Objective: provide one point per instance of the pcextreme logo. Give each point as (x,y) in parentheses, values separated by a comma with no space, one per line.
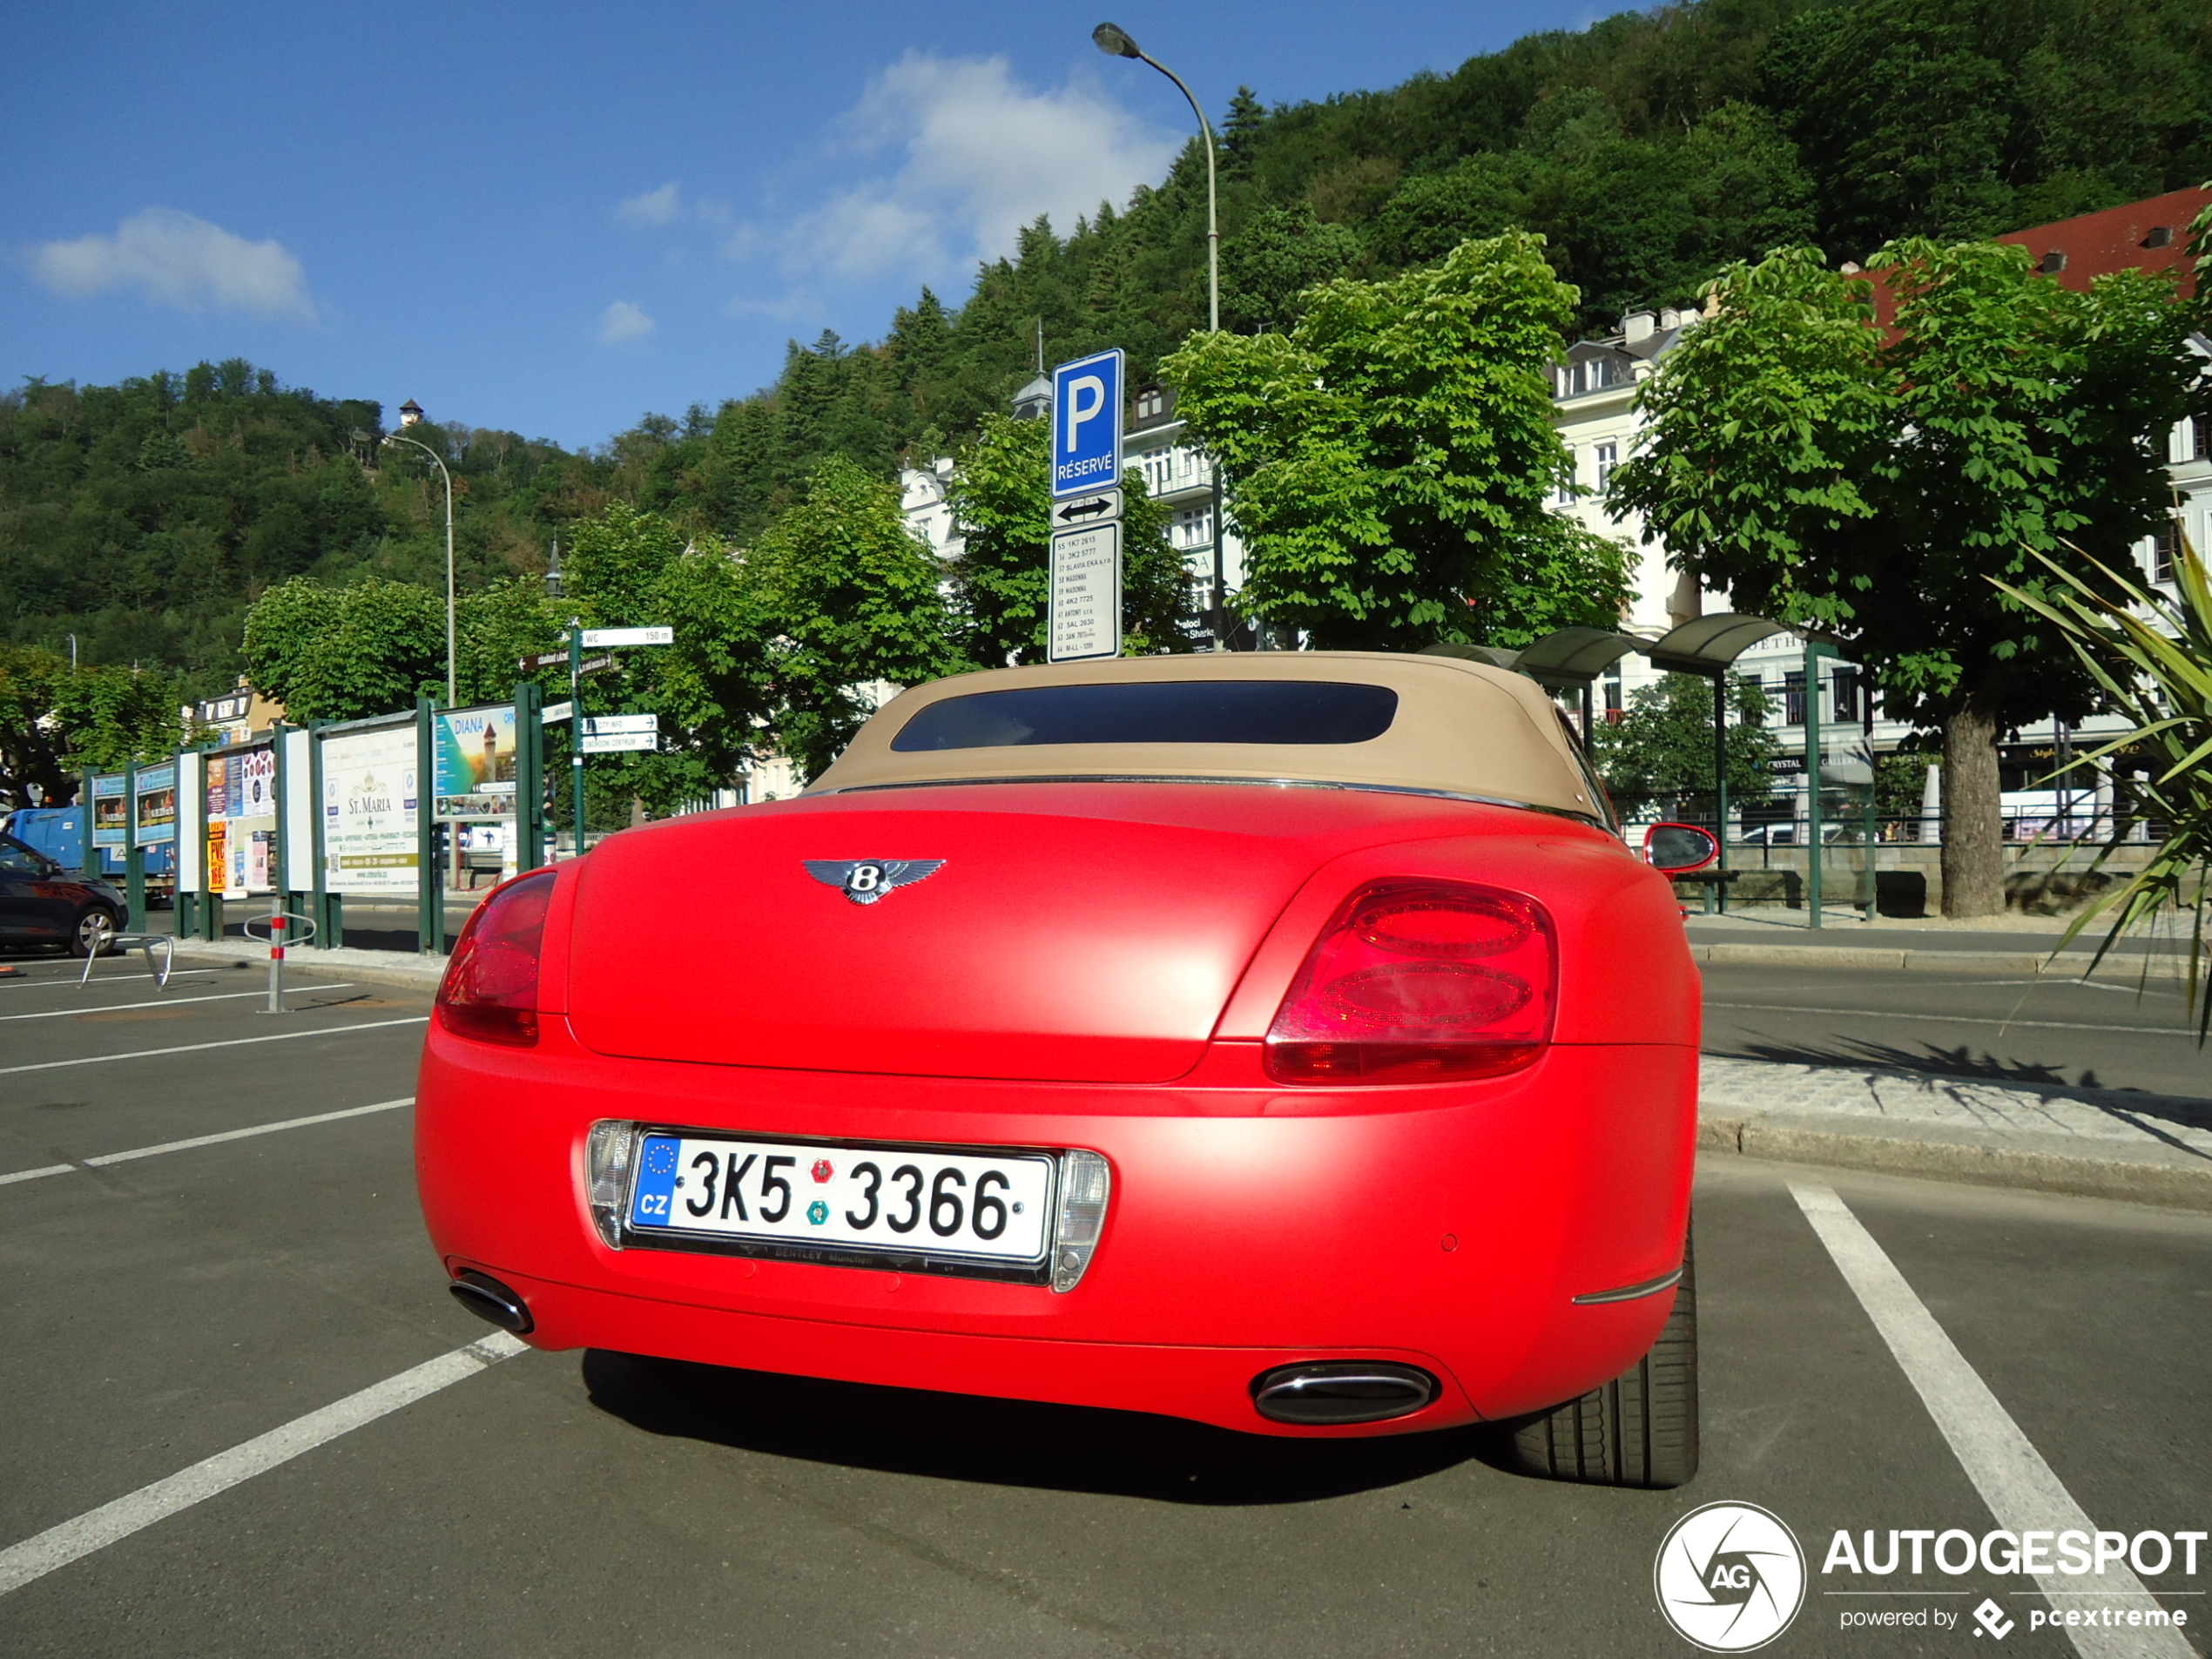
(1729,1577)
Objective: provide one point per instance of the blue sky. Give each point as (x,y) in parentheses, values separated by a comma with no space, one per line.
(553,218)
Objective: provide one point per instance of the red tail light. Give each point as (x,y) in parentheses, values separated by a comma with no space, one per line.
(1419,981)
(491,988)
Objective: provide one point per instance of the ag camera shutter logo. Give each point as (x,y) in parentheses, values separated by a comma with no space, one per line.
(1729,1577)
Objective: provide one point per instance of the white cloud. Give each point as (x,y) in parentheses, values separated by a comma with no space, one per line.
(622,320)
(179,260)
(655,208)
(979,158)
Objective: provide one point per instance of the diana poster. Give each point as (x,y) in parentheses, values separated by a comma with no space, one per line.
(369,808)
(474,770)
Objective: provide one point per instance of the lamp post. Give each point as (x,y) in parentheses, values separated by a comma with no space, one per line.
(1116,41)
(453,694)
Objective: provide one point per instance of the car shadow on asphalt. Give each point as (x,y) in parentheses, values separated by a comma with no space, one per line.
(1016,1443)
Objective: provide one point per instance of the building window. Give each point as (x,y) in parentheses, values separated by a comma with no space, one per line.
(1191,527)
(1608,456)
(2053,262)
(1151,404)
(1567,490)
(1843,695)
(2165,549)
(1793,697)
(2197,440)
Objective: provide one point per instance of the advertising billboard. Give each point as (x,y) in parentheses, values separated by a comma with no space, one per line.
(474,770)
(156,804)
(108,806)
(241,822)
(370,807)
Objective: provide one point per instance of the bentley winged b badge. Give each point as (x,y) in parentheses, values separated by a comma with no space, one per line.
(865,881)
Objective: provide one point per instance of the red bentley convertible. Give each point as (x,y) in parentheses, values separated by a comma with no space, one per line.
(1287,1042)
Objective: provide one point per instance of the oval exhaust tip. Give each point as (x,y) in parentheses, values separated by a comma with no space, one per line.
(487,1298)
(1333,1392)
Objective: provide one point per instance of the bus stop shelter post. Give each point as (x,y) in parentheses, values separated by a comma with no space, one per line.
(1720,784)
(1815,649)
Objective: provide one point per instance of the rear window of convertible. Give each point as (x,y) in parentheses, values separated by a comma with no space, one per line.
(1155,711)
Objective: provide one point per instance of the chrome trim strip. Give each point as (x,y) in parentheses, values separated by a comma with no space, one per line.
(1631,1292)
(1591,819)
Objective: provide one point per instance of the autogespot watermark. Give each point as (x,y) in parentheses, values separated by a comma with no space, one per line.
(1731,1577)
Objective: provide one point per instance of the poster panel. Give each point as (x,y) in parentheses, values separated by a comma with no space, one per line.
(369,805)
(241,804)
(108,806)
(157,805)
(474,775)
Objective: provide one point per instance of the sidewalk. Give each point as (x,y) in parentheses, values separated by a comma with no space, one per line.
(2099,1143)
(2011,944)
(371,966)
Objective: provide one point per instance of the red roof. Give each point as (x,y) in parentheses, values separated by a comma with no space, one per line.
(2145,235)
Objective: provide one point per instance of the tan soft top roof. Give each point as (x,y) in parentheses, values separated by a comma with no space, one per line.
(1461,728)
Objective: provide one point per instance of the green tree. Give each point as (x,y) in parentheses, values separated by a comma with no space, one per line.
(1275,259)
(1833,476)
(1392,457)
(854,599)
(345,653)
(110,717)
(1664,743)
(1001,583)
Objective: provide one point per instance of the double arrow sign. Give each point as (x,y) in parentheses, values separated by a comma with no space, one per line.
(1099,507)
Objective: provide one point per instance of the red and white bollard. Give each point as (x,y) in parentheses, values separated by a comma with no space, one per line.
(276,962)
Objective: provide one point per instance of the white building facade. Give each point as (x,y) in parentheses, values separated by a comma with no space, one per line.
(1594,397)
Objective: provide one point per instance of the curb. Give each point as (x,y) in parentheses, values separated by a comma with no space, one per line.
(1893,960)
(2031,1163)
(368,966)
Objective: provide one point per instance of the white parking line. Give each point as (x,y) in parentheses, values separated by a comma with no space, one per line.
(1962,1019)
(21,1564)
(72,980)
(171,1001)
(106,1158)
(2019,1486)
(195,1047)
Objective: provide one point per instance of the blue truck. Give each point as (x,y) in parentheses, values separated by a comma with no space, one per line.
(58,832)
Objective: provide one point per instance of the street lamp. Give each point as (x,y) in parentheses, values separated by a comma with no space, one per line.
(1116,41)
(453,686)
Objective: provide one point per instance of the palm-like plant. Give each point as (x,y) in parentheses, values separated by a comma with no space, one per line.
(2153,656)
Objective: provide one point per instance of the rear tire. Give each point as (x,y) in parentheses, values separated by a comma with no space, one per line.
(1640,1429)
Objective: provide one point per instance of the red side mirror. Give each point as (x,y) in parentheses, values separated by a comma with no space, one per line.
(1676,849)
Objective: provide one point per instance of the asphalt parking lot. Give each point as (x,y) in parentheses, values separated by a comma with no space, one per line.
(204,1309)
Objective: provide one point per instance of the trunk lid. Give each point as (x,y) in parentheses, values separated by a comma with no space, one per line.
(1076,933)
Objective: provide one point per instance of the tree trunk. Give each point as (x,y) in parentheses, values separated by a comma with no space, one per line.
(1973,828)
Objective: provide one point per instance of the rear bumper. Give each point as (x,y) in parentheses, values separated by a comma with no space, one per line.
(1445,1226)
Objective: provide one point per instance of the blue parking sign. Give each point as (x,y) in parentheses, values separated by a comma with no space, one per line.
(1086,425)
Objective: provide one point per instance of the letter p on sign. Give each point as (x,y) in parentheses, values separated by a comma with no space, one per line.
(1086,396)
(1086,425)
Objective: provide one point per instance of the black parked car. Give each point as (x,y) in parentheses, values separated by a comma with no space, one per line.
(41,904)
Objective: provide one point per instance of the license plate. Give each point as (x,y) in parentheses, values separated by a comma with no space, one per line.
(841,1199)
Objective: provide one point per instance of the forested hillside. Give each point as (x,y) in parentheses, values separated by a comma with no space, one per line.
(1649,150)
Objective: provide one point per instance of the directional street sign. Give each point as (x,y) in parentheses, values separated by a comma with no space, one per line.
(600,725)
(1097,508)
(555,712)
(560,659)
(628,636)
(1086,425)
(1086,614)
(613,742)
